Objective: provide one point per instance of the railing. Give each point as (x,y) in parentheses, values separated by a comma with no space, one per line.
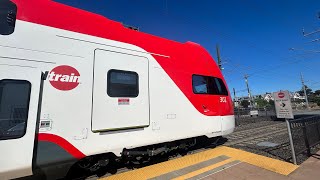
(242,113)
(304,133)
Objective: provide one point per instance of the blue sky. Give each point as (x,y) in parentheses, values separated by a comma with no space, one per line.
(254,36)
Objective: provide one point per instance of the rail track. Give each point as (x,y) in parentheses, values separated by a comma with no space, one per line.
(256,134)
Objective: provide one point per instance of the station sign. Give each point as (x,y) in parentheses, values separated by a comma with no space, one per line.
(282,104)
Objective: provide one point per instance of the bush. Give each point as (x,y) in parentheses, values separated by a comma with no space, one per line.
(245,103)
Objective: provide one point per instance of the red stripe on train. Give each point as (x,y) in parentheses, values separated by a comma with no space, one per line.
(64,144)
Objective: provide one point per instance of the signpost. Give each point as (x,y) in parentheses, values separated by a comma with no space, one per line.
(282,103)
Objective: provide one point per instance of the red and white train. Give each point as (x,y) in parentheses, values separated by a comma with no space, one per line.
(78,90)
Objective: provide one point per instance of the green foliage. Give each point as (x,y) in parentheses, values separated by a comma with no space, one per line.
(317,92)
(315,100)
(270,103)
(299,101)
(261,103)
(245,103)
(308,91)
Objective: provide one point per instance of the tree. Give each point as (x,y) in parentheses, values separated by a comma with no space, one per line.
(271,103)
(317,92)
(318,102)
(299,101)
(245,103)
(261,103)
(315,100)
(308,91)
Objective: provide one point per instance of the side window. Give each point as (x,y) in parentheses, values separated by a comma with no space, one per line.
(14,107)
(8,13)
(122,83)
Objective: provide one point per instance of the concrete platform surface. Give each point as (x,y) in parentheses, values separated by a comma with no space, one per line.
(218,163)
(245,171)
(309,170)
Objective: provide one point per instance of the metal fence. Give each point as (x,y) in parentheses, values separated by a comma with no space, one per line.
(249,113)
(304,133)
(246,116)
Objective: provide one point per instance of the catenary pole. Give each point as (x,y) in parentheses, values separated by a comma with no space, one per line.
(304,89)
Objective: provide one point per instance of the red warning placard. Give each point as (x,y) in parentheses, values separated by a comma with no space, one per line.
(123,101)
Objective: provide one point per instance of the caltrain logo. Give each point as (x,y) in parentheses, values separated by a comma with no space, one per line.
(63,77)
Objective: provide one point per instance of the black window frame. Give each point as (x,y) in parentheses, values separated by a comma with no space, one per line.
(215,90)
(27,109)
(122,71)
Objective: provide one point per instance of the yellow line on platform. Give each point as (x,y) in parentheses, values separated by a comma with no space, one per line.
(148,172)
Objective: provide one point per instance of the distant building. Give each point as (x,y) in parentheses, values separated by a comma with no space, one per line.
(237,101)
(297,96)
(243,98)
(267,97)
(294,96)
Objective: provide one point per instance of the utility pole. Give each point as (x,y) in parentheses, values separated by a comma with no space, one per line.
(249,92)
(234,97)
(238,103)
(304,89)
(218,56)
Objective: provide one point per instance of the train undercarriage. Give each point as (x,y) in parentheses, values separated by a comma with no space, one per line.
(101,164)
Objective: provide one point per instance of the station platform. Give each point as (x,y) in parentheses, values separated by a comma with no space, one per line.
(224,163)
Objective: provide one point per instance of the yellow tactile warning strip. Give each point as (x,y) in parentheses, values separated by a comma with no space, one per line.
(163,168)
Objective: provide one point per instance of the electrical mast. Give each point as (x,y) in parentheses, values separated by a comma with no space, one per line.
(305,91)
(249,92)
(218,56)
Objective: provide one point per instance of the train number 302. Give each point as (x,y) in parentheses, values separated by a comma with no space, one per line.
(223,99)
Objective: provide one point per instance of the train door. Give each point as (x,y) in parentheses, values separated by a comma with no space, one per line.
(19,99)
(120,91)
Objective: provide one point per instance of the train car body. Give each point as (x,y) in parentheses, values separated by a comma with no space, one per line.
(75,84)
